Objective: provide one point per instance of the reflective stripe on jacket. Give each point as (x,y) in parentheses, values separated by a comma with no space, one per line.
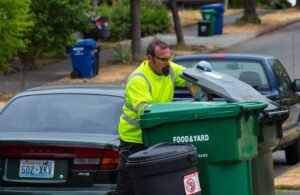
(144,88)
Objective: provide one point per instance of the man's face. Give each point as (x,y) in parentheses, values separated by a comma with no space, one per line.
(160,62)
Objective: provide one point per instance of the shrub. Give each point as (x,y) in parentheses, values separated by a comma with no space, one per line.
(154,21)
(154,18)
(280,4)
(14,23)
(55,23)
(237,4)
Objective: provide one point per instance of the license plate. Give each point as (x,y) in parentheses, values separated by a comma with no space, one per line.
(36,168)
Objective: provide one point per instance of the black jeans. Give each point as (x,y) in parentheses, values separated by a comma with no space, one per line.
(124,184)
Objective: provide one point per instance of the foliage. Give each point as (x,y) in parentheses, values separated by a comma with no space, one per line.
(14,22)
(120,22)
(237,4)
(154,18)
(55,23)
(104,10)
(121,53)
(280,4)
(259,3)
(152,3)
(275,4)
(154,21)
(263,4)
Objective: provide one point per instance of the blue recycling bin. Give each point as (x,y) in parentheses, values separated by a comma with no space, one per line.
(219,8)
(83,59)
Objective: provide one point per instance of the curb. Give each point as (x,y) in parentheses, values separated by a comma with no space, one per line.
(275,28)
(266,31)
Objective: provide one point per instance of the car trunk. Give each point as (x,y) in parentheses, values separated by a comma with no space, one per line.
(58,160)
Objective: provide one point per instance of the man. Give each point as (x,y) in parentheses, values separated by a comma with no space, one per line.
(153,81)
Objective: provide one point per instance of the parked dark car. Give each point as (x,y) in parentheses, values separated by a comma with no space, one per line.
(267,75)
(60,140)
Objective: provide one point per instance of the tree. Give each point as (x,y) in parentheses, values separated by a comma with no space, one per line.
(136,44)
(55,23)
(298,3)
(94,5)
(176,21)
(250,15)
(14,22)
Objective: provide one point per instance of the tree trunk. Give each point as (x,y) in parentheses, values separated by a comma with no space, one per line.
(176,21)
(250,15)
(136,44)
(297,4)
(27,61)
(95,5)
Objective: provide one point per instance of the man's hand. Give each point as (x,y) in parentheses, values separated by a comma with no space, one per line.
(197,93)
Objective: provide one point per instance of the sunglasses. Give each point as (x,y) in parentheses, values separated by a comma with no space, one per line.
(168,59)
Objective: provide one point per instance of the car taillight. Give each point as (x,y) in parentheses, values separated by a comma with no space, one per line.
(110,159)
(107,160)
(84,157)
(217,56)
(100,21)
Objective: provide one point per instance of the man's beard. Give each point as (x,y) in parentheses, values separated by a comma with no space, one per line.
(166,71)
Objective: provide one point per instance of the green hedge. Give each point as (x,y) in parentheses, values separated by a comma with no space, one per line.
(280,4)
(240,3)
(154,18)
(277,4)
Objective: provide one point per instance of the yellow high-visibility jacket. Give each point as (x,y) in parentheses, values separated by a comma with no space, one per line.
(144,88)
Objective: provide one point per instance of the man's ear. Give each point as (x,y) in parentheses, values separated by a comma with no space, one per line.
(151,59)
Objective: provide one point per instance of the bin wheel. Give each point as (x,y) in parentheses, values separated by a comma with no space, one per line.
(292,152)
(75,74)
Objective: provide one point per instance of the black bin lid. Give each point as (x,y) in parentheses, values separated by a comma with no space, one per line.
(161,158)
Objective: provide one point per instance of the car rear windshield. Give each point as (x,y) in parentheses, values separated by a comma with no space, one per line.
(70,113)
(249,72)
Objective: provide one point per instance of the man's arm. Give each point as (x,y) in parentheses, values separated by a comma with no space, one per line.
(138,94)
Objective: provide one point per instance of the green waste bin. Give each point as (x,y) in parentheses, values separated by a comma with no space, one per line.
(225,135)
(209,15)
(270,120)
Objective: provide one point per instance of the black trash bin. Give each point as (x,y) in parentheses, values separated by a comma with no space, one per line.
(165,168)
(204,28)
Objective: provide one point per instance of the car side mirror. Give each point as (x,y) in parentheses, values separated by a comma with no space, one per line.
(296,85)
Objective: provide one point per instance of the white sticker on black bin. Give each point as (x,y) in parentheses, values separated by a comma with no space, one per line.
(192,183)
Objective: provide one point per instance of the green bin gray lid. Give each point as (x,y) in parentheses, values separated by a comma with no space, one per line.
(225,86)
(177,109)
(184,111)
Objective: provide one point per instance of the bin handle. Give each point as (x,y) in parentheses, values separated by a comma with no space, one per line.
(277,112)
(254,105)
(158,145)
(191,158)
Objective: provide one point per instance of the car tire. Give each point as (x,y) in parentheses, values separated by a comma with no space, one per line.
(292,152)
(75,74)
